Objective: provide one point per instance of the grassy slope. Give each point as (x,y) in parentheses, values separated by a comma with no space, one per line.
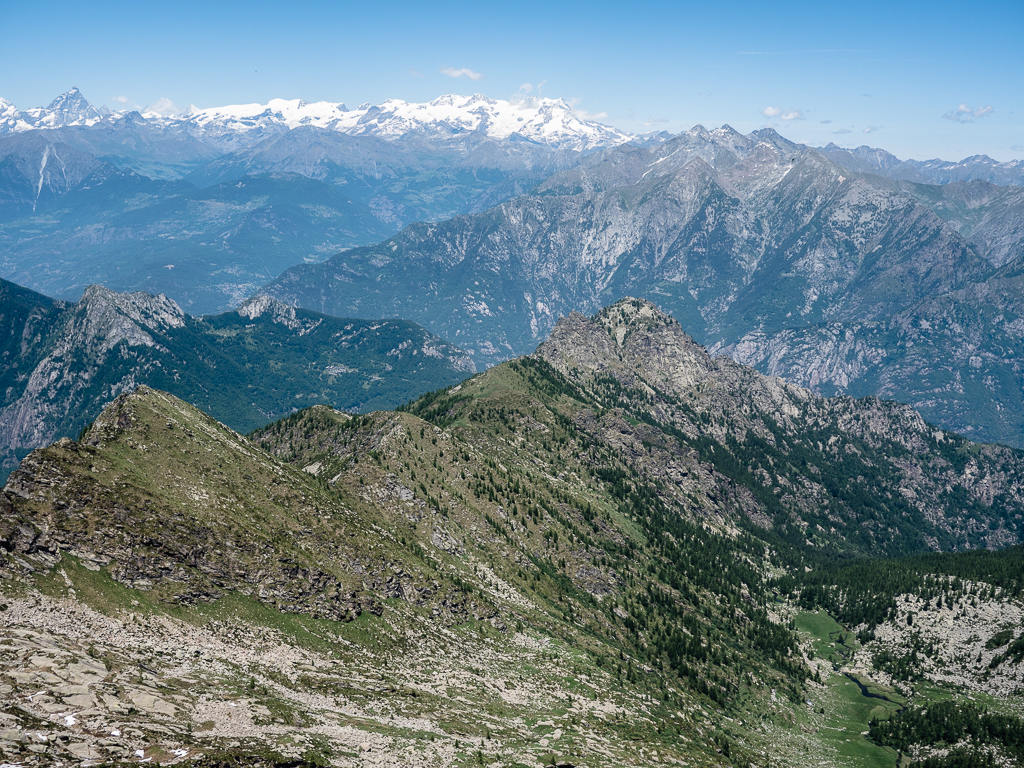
(211,490)
(491,549)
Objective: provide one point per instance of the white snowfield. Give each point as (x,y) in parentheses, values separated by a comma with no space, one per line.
(552,122)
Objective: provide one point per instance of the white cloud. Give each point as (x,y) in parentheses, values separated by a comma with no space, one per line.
(783,114)
(522,96)
(464,72)
(526,96)
(825,122)
(842,130)
(528,88)
(872,128)
(651,121)
(581,113)
(120,99)
(163,106)
(966,114)
(415,72)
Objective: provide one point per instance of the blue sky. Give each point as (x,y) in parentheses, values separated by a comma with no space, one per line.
(921,80)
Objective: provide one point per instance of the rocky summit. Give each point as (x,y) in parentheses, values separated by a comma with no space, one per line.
(615,551)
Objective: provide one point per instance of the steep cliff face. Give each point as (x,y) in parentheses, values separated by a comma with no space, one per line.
(989,216)
(82,361)
(956,357)
(849,450)
(729,233)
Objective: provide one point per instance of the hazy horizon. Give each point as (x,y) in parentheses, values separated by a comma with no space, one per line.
(920,80)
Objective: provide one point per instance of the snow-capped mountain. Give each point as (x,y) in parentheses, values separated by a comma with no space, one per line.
(549,122)
(9,116)
(544,121)
(71,108)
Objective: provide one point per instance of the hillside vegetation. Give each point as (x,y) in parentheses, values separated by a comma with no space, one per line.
(607,553)
(61,363)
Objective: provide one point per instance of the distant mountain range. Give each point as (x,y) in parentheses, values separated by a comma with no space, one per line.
(549,122)
(750,241)
(60,363)
(843,270)
(233,197)
(981,167)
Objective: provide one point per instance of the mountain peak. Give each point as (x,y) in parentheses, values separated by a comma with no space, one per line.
(278,312)
(103,304)
(726,130)
(71,107)
(261,304)
(628,314)
(120,415)
(633,340)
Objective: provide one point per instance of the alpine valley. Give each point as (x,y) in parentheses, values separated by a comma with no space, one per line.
(847,271)
(207,206)
(616,551)
(725,470)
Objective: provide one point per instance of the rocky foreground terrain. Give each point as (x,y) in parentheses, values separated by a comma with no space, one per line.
(599,555)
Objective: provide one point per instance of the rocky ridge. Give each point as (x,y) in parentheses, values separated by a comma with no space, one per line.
(705,397)
(66,361)
(573,556)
